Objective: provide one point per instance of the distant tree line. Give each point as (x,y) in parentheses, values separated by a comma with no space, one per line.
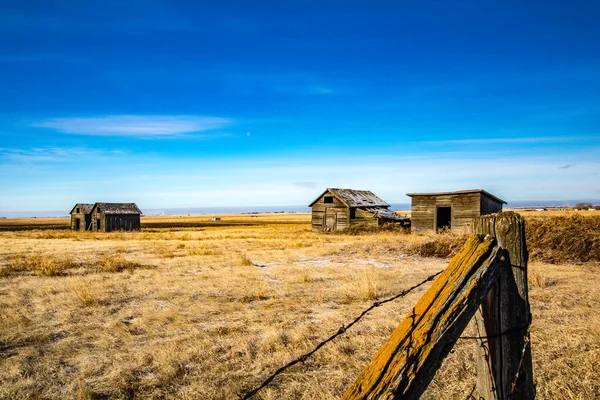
(586,206)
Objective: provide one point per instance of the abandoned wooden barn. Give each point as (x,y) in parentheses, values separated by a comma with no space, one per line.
(107,217)
(81,217)
(450,210)
(337,209)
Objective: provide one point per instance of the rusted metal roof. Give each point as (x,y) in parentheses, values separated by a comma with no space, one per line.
(85,207)
(459,192)
(118,208)
(354,198)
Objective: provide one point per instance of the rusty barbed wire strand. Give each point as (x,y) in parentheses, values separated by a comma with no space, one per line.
(339,332)
(470,395)
(526,341)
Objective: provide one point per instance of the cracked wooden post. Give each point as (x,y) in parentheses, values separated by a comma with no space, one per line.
(408,360)
(504,316)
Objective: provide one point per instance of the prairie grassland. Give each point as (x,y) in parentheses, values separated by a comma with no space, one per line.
(207,313)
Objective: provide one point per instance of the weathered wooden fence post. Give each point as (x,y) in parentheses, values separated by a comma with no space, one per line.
(504,316)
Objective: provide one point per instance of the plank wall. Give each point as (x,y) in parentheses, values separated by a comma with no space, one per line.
(465,207)
(337,207)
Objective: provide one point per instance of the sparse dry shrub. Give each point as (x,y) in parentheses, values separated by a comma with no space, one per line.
(165,251)
(245,260)
(536,277)
(306,275)
(83,392)
(203,250)
(40,264)
(116,263)
(363,286)
(363,229)
(85,295)
(257,290)
(368,281)
(443,245)
(572,238)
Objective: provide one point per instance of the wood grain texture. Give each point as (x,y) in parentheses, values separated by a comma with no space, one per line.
(465,207)
(504,315)
(406,363)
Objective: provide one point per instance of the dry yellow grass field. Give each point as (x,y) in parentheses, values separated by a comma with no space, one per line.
(207,312)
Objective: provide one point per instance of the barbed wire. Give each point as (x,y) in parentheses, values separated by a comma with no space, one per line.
(526,341)
(339,332)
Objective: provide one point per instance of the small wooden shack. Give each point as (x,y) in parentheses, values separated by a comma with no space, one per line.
(81,217)
(337,209)
(107,217)
(451,210)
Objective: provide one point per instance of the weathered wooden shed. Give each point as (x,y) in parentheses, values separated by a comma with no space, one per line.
(107,217)
(337,209)
(451,210)
(81,217)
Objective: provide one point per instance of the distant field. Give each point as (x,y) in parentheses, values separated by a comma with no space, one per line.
(191,221)
(207,311)
(183,221)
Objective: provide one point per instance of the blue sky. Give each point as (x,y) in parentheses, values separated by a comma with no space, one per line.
(233,103)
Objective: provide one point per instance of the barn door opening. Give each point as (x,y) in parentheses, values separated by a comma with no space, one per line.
(443,218)
(77,224)
(330,221)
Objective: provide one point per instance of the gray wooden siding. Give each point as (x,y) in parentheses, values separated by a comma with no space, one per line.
(320,208)
(490,206)
(342,214)
(422,216)
(119,222)
(84,221)
(465,207)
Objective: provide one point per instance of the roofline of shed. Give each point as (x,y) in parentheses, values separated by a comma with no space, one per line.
(75,206)
(458,192)
(98,203)
(333,193)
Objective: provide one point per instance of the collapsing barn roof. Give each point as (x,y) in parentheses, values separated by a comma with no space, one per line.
(118,208)
(354,198)
(386,214)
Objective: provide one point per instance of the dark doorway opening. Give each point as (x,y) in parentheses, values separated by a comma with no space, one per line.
(443,218)
(77,224)
(98,227)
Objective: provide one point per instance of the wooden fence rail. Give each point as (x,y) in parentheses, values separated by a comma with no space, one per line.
(494,258)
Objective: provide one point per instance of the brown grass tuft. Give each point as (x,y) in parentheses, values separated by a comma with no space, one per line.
(443,245)
(40,264)
(116,263)
(536,276)
(85,295)
(363,229)
(245,260)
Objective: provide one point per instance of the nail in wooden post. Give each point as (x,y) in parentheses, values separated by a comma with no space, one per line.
(504,315)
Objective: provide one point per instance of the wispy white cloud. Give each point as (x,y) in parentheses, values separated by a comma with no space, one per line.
(142,126)
(52,154)
(306,184)
(500,140)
